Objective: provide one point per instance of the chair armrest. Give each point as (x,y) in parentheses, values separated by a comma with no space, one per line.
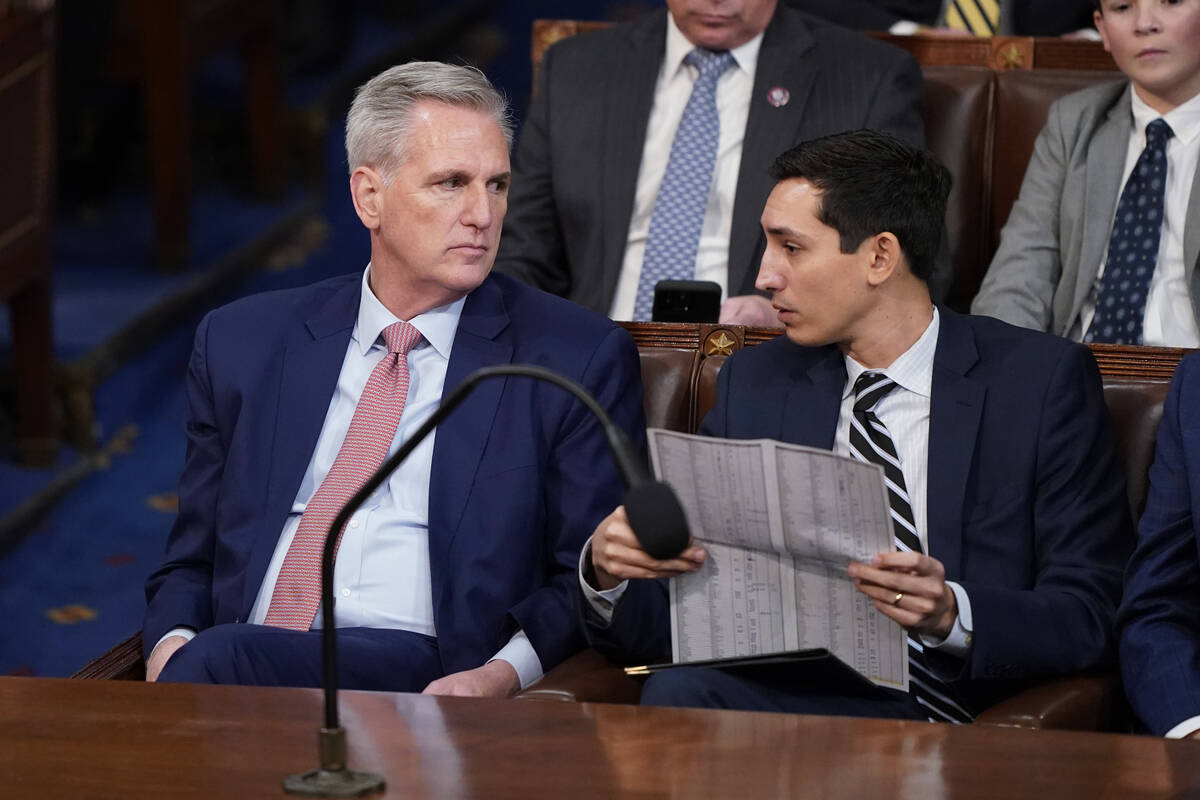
(1078,702)
(122,663)
(586,677)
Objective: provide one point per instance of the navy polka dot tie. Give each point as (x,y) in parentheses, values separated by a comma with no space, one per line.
(678,213)
(1133,246)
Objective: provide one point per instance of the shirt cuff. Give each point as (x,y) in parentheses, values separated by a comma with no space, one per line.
(904,27)
(187,633)
(958,641)
(521,656)
(601,602)
(1185,728)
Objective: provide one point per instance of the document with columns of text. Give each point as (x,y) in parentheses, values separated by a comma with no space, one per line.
(780,523)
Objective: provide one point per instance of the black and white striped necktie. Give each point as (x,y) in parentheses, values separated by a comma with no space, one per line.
(871,442)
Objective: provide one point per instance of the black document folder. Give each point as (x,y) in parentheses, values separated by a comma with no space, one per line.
(813,667)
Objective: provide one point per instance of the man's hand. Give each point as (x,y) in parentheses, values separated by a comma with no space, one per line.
(749,309)
(617,556)
(494,679)
(926,604)
(161,654)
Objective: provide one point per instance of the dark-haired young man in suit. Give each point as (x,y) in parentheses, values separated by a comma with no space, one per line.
(597,208)
(1007,498)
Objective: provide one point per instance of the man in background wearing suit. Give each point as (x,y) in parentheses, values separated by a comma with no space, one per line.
(1013,17)
(637,163)
(456,576)
(1103,242)
(1160,613)
(1007,500)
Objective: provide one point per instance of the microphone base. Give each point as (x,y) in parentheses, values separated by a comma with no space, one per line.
(334,783)
(332,779)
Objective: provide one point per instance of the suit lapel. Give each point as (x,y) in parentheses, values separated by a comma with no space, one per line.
(784,61)
(955,410)
(461,438)
(813,400)
(1191,243)
(629,96)
(311,365)
(1105,163)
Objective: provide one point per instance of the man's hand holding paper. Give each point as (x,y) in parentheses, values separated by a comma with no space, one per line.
(909,588)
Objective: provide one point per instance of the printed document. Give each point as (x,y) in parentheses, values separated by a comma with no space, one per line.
(780,523)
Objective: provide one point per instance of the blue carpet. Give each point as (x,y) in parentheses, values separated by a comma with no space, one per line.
(73,587)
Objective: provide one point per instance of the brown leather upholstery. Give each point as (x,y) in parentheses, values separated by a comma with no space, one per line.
(706,388)
(666,376)
(957,109)
(1023,100)
(1136,407)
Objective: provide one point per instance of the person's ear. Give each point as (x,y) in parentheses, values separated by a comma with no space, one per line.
(1098,21)
(884,257)
(366,190)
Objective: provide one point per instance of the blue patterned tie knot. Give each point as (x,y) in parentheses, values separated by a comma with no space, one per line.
(678,214)
(1133,245)
(710,63)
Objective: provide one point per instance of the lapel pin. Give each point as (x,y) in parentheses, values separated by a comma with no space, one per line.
(778,96)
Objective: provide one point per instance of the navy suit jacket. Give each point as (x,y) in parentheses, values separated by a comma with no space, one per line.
(520,475)
(1027,507)
(1160,615)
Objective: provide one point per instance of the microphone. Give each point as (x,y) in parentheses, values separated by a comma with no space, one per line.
(654,514)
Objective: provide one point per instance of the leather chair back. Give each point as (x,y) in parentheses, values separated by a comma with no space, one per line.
(956,106)
(1023,99)
(667,380)
(1136,407)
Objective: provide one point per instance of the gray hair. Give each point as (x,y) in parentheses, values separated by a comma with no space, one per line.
(380,118)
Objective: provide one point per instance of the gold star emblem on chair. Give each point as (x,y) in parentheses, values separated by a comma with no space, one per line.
(720,343)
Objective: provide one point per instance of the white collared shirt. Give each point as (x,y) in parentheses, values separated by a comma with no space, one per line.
(671,93)
(1170,320)
(382,578)
(905,413)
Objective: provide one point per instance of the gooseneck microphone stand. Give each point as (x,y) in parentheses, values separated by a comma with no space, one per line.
(654,514)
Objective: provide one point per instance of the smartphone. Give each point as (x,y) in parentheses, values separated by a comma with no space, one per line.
(686,301)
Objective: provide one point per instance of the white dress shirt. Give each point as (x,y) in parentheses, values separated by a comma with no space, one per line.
(905,412)
(1170,320)
(381,578)
(671,93)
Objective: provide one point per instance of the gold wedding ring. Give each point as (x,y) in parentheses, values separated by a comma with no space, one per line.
(899,597)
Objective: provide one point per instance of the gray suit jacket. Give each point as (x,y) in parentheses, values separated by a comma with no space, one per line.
(1057,234)
(576,166)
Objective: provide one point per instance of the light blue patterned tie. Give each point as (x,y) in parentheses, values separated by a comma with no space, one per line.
(1133,245)
(679,207)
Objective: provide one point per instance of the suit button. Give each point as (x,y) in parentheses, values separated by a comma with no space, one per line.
(345,592)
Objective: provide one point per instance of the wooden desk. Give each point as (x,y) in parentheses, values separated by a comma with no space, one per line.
(92,739)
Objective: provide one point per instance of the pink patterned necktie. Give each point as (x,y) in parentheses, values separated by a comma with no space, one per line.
(298,589)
